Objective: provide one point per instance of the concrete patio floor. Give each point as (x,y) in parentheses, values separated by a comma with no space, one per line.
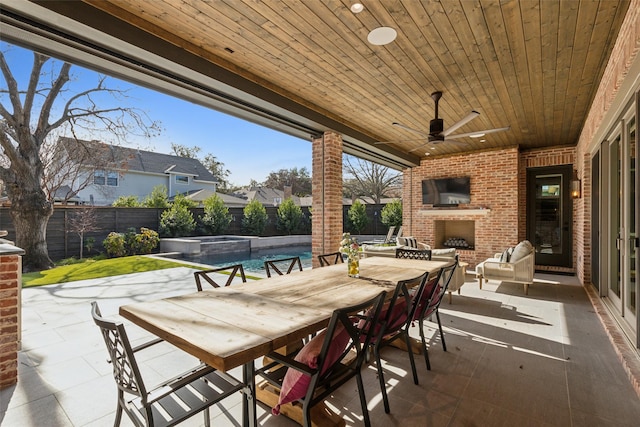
(513,360)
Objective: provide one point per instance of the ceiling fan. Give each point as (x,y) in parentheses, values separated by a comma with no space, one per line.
(437,134)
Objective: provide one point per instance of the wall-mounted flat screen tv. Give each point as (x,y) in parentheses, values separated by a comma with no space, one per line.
(446,191)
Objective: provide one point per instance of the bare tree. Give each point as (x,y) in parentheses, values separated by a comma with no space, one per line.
(364,178)
(30,118)
(83,221)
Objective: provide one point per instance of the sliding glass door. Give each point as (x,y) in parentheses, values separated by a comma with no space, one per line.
(620,213)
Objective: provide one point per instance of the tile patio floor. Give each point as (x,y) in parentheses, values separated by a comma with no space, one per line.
(512,360)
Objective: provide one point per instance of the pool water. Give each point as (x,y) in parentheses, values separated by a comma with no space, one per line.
(253,261)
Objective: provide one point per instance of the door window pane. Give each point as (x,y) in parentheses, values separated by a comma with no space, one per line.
(548,212)
(632,284)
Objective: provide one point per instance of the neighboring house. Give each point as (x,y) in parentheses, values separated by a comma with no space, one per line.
(199,196)
(114,171)
(266,196)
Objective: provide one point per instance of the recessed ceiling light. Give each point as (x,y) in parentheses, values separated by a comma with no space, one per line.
(357,7)
(476,135)
(483,140)
(382,35)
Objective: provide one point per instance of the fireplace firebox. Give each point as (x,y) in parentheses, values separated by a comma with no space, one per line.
(459,234)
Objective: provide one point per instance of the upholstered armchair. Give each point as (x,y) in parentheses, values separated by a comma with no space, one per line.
(513,265)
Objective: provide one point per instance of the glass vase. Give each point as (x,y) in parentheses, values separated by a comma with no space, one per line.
(353,265)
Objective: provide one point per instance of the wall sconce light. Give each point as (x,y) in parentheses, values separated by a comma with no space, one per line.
(576,186)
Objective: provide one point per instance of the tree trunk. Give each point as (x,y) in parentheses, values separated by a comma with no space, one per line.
(30,222)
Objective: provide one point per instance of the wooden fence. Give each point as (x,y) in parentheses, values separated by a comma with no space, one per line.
(63,243)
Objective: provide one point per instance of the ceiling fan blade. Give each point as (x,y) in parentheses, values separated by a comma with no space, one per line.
(472,115)
(395,141)
(410,128)
(479,132)
(418,148)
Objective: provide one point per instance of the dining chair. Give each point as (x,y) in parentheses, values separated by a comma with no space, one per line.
(231,270)
(288,263)
(429,306)
(395,323)
(424,254)
(327,362)
(172,401)
(331,258)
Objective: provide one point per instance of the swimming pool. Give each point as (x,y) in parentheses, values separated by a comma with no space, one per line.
(253,261)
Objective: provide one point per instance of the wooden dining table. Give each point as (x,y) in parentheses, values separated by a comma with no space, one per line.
(232,326)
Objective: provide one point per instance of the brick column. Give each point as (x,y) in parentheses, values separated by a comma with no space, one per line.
(327,194)
(10,278)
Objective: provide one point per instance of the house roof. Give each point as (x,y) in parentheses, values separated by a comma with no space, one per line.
(132,159)
(266,196)
(532,65)
(202,194)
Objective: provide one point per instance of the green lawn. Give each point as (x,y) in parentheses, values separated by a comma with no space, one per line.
(92,269)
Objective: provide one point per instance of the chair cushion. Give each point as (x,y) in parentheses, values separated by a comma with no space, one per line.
(397,317)
(506,255)
(378,248)
(409,241)
(426,294)
(443,253)
(295,383)
(523,249)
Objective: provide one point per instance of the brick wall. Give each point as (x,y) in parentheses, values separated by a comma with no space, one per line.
(494,200)
(623,55)
(327,194)
(9,319)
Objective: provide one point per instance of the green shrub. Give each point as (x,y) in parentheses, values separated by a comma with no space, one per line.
(357,216)
(89,243)
(216,218)
(126,202)
(145,242)
(254,220)
(289,216)
(130,240)
(181,200)
(114,244)
(131,243)
(391,214)
(177,221)
(158,198)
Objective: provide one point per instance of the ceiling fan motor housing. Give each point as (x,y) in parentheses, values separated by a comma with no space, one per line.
(436,127)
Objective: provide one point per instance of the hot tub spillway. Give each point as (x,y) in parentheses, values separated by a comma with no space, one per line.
(224,244)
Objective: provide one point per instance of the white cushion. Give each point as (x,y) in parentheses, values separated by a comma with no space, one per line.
(444,253)
(523,249)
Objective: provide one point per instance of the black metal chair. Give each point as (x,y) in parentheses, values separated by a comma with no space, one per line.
(282,263)
(349,332)
(395,322)
(429,306)
(424,254)
(169,403)
(329,259)
(232,270)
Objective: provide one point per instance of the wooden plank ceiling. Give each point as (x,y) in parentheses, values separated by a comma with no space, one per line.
(530,65)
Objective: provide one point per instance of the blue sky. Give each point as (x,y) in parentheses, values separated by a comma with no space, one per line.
(247,150)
